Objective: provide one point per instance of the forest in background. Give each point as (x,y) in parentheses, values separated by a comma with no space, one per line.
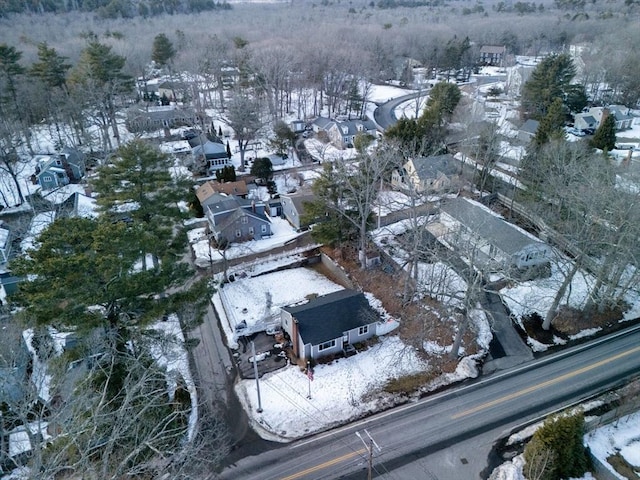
(374,40)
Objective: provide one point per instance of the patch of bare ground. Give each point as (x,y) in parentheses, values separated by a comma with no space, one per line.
(571,321)
(416,322)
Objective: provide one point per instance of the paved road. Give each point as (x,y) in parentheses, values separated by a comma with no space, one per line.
(384,115)
(412,433)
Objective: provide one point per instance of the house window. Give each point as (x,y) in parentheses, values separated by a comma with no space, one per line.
(363,330)
(250,230)
(263,229)
(47,178)
(244,220)
(238,233)
(326,345)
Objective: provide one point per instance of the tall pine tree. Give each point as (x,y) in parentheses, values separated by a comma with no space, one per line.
(605,136)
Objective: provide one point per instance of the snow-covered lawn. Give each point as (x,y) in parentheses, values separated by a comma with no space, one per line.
(345,389)
(256,301)
(620,437)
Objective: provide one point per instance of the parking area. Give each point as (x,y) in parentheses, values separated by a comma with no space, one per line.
(271,354)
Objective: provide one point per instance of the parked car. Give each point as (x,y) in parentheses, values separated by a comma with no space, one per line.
(574,131)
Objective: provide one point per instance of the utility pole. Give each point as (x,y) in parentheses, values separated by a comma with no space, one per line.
(255,372)
(369,443)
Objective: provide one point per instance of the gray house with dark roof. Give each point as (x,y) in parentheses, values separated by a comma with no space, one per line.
(495,244)
(212,154)
(293,208)
(326,325)
(235,219)
(60,169)
(492,55)
(159,117)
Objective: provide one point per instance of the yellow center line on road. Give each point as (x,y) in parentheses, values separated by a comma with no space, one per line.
(548,383)
(325,464)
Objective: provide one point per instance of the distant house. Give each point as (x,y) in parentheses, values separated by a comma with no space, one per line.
(158,117)
(235,219)
(293,208)
(428,174)
(496,244)
(583,121)
(343,133)
(528,130)
(172,91)
(5,245)
(213,154)
(492,55)
(211,187)
(326,325)
(60,169)
(594,116)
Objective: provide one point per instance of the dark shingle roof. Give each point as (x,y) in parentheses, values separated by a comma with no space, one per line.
(434,166)
(530,126)
(329,316)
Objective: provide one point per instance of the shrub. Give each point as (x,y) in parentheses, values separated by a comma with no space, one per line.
(556,449)
(409,383)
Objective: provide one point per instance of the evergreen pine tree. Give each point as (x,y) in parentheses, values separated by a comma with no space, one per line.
(559,441)
(162,52)
(605,136)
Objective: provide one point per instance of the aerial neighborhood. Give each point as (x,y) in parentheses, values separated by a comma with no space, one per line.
(214,235)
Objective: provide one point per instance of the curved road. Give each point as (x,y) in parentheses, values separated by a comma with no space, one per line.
(384,115)
(412,432)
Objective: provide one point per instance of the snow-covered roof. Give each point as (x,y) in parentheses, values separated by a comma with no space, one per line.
(38,224)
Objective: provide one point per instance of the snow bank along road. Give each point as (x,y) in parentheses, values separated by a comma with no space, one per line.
(410,432)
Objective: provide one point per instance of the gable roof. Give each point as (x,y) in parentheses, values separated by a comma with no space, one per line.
(207,189)
(434,166)
(238,214)
(587,117)
(210,149)
(323,123)
(351,127)
(498,232)
(298,199)
(530,126)
(329,316)
(219,202)
(493,49)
